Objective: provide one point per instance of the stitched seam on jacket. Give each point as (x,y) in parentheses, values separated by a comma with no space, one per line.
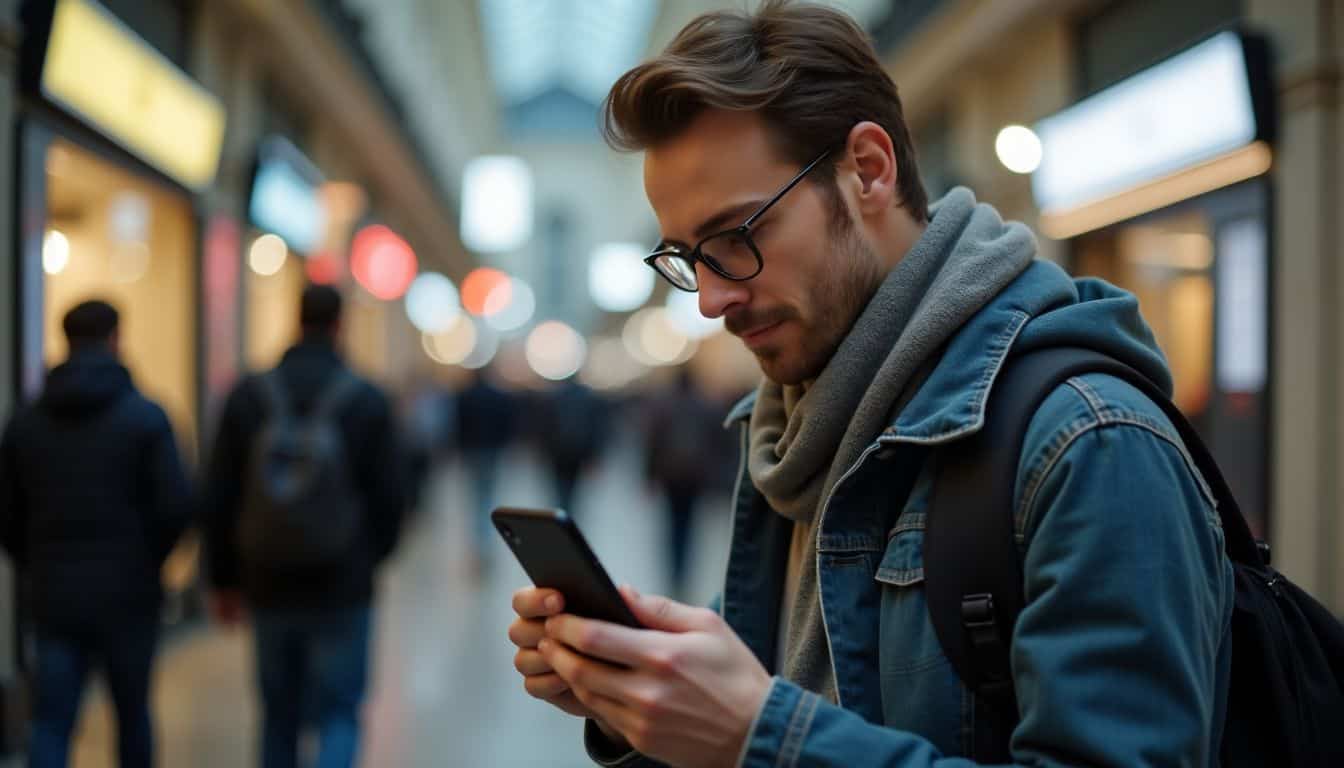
(799,722)
(1029,502)
(1089,394)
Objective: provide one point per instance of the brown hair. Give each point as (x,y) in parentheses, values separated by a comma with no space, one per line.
(810,71)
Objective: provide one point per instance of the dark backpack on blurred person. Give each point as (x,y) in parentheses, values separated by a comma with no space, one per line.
(1286,698)
(301,507)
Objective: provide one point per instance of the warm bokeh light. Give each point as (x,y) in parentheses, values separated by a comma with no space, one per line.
(555,351)
(382,262)
(510,306)
(477,288)
(432,303)
(652,339)
(487,346)
(325,267)
(453,344)
(55,252)
(618,279)
(609,365)
(267,255)
(1018,148)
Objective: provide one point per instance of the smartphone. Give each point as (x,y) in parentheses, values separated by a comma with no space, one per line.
(549,546)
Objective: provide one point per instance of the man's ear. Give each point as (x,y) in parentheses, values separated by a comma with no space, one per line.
(869,153)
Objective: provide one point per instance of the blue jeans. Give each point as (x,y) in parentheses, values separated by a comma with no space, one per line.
(313,666)
(125,654)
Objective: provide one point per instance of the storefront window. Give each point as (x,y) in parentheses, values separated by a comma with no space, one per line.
(120,237)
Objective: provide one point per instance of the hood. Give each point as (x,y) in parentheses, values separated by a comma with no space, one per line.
(1104,318)
(86,383)
(1043,308)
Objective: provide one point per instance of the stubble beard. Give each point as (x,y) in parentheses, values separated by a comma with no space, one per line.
(841,289)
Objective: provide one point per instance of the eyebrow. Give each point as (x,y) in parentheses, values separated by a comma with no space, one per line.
(715,223)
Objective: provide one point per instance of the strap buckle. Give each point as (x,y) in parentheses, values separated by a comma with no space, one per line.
(988,651)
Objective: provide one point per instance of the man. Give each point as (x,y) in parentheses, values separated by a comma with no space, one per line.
(93,497)
(784,182)
(308,589)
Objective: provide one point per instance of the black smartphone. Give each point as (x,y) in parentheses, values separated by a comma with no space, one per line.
(549,546)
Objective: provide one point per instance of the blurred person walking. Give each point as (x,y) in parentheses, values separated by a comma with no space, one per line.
(93,497)
(682,439)
(485,425)
(303,499)
(571,432)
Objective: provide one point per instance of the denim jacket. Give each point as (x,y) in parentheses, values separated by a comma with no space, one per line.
(1121,655)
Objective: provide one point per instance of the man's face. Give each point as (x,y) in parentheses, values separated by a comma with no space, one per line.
(818,272)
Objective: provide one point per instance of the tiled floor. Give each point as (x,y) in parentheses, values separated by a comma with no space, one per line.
(445,693)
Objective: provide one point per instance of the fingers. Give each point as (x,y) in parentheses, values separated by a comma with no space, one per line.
(545,687)
(602,640)
(533,603)
(666,614)
(530,663)
(526,633)
(593,675)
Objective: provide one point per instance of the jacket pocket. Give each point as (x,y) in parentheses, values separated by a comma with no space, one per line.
(920,691)
(909,643)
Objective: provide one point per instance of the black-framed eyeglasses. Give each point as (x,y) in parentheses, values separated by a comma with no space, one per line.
(731,253)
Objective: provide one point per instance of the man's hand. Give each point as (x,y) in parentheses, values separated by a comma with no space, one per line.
(534,607)
(684,691)
(227,607)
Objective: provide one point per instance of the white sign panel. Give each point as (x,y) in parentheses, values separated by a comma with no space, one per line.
(1242,323)
(1188,109)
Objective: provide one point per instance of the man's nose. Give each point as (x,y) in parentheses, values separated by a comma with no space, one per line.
(717,293)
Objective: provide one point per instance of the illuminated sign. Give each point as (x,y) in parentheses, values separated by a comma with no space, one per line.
(1197,106)
(285,198)
(100,70)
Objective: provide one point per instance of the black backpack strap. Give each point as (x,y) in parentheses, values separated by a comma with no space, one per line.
(972,568)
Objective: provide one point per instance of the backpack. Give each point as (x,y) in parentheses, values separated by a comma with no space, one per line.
(301,509)
(1286,699)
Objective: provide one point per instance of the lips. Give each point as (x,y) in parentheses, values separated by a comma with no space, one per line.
(758,335)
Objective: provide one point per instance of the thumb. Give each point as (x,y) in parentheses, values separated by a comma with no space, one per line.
(663,613)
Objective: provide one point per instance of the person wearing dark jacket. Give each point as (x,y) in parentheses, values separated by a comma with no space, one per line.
(93,496)
(485,428)
(312,624)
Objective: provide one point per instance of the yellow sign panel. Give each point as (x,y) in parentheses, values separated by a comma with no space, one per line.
(98,68)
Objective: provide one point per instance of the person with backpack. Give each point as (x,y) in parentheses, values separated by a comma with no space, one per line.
(303,499)
(786,187)
(93,497)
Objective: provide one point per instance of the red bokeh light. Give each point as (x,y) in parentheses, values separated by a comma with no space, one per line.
(382,262)
(477,288)
(324,268)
